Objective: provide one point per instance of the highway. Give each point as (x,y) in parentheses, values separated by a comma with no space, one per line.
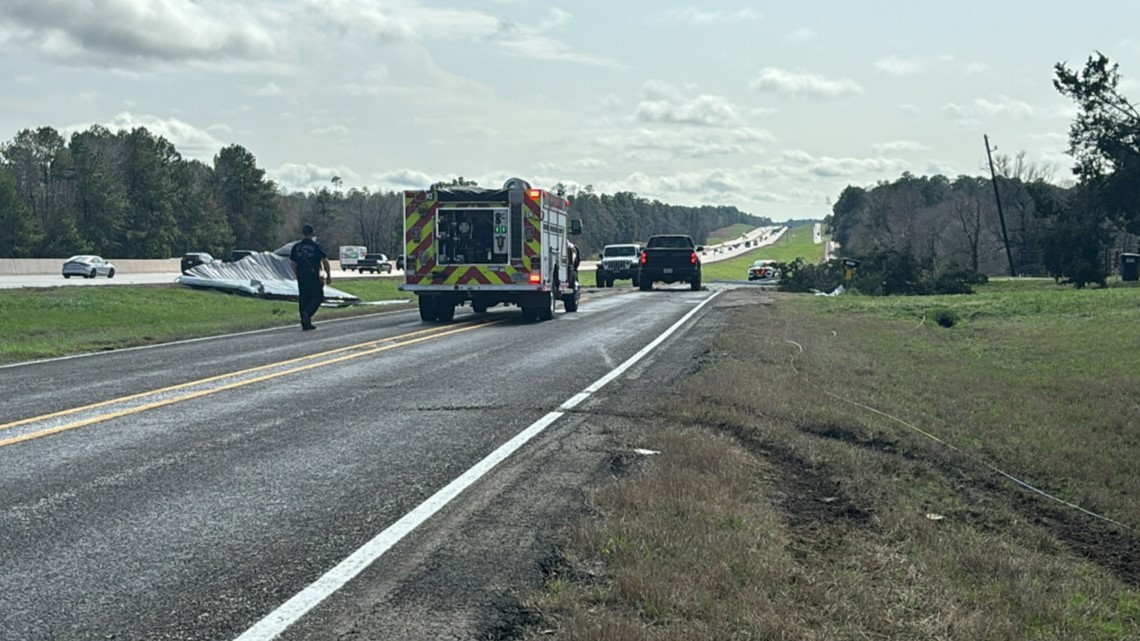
(382,478)
(713,253)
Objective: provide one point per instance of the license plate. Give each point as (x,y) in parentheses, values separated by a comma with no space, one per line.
(668,270)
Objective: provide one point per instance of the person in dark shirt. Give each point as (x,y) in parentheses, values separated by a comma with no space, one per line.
(307,258)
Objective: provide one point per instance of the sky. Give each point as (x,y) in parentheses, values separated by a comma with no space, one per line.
(773,107)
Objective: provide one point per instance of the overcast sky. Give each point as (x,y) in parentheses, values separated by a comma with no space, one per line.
(773,107)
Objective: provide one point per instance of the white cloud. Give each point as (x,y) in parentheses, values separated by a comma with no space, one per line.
(1004,107)
(976,68)
(827,167)
(667,104)
(898,146)
(404,179)
(897,66)
(722,186)
(294,177)
(408,22)
(803,83)
(803,34)
(268,89)
(798,156)
(331,129)
(1052,137)
(697,15)
(189,140)
(911,109)
(580,164)
(126,32)
(653,145)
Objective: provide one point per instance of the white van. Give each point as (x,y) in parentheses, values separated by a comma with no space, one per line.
(350,255)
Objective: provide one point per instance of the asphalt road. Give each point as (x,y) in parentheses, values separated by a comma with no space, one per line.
(201,490)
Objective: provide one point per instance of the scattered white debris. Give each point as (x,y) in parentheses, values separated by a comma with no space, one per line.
(934,517)
(837,291)
(645,452)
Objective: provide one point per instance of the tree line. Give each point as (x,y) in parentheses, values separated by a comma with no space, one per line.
(937,226)
(131,194)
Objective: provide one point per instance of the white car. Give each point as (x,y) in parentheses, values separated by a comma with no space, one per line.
(763,269)
(88,267)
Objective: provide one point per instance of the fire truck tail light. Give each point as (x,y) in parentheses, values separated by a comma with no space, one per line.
(534,194)
(535,279)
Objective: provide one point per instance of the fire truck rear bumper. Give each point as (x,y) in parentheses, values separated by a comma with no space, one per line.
(427,289)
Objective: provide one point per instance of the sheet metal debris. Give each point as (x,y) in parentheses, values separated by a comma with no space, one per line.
(264,275)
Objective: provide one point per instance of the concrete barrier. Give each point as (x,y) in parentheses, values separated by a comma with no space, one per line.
(40,266)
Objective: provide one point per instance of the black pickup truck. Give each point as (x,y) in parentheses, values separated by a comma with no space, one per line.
(375,263)
(672,258)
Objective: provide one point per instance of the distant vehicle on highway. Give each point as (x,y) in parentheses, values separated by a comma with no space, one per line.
(193,259)
(618,262)
(88,267)
(239,254)
(669,258)
(374,263)
(350,256)
(763,269)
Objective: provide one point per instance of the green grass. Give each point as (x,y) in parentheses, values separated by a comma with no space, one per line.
(782,506)
(47,322)
(795,242)
(725,234)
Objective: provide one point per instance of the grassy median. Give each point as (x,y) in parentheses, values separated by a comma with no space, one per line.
(794,243)
(835,470)
(56,321)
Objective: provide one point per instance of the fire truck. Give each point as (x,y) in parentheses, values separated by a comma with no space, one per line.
(487,247)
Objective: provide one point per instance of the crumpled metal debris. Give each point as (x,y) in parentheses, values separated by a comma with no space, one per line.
(264,275)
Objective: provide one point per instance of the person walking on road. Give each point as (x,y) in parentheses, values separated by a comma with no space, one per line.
(307,258)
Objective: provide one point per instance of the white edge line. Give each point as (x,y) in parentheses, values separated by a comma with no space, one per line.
(301,603)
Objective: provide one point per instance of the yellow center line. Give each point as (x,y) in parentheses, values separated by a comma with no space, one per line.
(211,379)
(193,395)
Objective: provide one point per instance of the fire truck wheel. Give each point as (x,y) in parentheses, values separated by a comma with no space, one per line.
(478,307)
(530,313)
(570,302)
(546,312)
(427,309)
(445,312)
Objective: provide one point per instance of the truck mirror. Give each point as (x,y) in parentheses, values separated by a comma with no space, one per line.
(575,226)
(700,248)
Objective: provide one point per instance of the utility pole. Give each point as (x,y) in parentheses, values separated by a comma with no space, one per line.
(1001,214)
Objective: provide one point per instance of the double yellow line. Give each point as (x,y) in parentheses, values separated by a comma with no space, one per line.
(322,359)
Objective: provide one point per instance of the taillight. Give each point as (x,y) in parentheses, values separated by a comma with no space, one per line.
(535,279)
(642,259)
(693,258)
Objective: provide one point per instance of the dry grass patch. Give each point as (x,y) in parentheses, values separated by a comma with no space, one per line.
(782,507)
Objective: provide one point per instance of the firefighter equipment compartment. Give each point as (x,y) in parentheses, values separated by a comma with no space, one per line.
(488,247)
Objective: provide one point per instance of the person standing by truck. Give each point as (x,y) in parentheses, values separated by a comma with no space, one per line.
(307,258)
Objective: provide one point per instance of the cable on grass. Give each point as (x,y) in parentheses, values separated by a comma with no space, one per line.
(955,448)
